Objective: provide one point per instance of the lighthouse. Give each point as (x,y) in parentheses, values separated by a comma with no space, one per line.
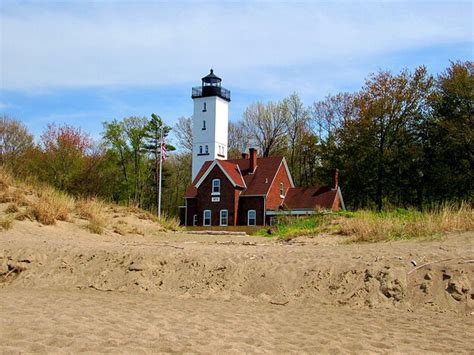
(210,121)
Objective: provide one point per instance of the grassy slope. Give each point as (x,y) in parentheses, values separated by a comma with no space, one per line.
(369,226)
(20,200)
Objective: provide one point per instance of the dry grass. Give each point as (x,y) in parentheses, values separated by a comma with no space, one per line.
(94,211)
(367,226)
(51,206)
(169,223)
(29,199)
(12,208)
(6,222)
(5,180)
(370,226)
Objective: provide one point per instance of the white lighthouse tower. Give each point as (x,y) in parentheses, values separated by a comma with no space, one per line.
(210,121)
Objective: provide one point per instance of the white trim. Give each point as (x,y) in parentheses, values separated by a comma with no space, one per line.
(227,217)
(204,218)
(248,218)
(241,176)
(283,162)
(343,206)
(204,176)
(288,171)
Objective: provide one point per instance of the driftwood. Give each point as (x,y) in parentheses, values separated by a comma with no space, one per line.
(279,303)
(426,264)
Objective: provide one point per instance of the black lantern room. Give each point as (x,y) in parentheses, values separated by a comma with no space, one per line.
(211,86)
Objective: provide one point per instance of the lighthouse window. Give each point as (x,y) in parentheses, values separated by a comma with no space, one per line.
(204,125)
(200,149)
(207,149)
(204,109)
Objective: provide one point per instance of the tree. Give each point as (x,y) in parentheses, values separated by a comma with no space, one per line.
(239,140)
(296,125)
(114,137)
(155,133)
(184,133)
(389,108)
(135,131)
(330,114)
(450,138)
(15,141)
(266,126)
(64,149)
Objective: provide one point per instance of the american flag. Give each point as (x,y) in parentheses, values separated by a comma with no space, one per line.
(164,153)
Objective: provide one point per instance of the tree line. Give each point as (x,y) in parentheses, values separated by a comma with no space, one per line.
(403,140)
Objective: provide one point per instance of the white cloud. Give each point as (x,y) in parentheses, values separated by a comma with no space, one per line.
(253,45)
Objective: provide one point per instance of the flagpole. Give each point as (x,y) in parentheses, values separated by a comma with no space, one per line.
(161,165)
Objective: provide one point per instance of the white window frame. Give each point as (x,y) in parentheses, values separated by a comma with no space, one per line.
(282,189)
(226,218)
(218,192)
(204,218)
(195,220)
(248,217)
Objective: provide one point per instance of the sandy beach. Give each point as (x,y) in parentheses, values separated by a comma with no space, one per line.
(65,290)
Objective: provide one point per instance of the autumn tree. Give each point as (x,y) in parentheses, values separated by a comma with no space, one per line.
(64,149)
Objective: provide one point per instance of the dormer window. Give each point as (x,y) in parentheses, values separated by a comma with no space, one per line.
(282,190)
(204,125)
(216,186)
(204,108)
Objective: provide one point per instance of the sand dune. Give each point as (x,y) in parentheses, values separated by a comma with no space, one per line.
(63,289)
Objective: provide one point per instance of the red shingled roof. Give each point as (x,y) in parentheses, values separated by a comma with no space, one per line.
(233,171)
(309,198)
(257,183)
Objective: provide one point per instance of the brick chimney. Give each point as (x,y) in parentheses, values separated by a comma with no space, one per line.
(253,159)
(245,155)
(336,179)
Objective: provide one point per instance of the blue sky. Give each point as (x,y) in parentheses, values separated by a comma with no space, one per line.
(86,62)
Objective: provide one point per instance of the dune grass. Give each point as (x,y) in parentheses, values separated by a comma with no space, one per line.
(29,199)
(370,226)
(51,206)
(93,210)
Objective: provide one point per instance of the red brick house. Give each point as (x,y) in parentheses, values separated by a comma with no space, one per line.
(252,191)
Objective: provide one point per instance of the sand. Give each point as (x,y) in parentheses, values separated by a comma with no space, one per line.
(63,289)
